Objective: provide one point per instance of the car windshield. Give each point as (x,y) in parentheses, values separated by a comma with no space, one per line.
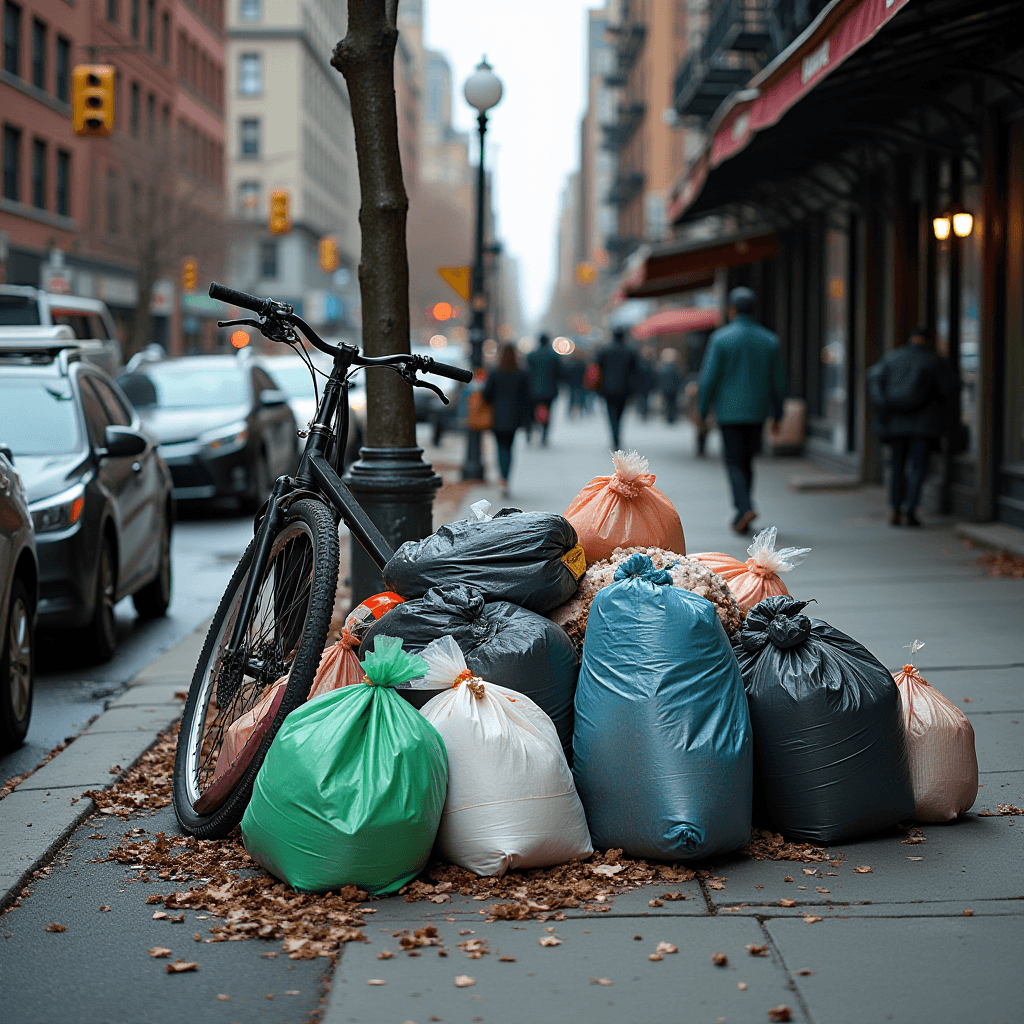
(18,311)
(37,417)
(194,386)
(293,378)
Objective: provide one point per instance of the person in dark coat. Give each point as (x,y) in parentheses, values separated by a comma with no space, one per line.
(646,381)
(670,380)
(910,388)
(617,363)
(544,368)
(742,378)
(508,392)
(573,373)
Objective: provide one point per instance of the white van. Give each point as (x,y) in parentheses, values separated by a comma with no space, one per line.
(89,319)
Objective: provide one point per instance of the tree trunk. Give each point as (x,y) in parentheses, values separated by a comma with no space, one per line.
(366,58)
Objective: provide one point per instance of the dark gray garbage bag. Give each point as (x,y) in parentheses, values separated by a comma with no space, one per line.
(830,754)
(523,557)
(503,644)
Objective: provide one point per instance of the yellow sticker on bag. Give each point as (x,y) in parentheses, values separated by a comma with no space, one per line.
(575,561)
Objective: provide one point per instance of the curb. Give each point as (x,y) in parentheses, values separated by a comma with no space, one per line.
(38,816)
(995,536)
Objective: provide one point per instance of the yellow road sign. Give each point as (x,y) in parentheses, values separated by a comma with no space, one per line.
(459,278)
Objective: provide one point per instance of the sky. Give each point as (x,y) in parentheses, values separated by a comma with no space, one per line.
(538,49)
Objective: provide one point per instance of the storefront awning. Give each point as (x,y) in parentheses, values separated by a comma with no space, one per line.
(677,320)
(682,266)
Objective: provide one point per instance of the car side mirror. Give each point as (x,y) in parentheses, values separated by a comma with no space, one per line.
(272,396)
(122,443)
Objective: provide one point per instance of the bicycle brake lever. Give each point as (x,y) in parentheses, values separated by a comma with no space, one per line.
(433,387)
(236,323)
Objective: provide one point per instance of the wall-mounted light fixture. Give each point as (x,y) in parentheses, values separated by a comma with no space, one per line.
(963,223)
(940,225)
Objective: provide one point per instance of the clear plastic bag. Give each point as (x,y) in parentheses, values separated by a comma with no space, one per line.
(625,510)
(940,742)
(511,799)
(758,577)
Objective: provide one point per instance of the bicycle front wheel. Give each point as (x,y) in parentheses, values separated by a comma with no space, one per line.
(282,641)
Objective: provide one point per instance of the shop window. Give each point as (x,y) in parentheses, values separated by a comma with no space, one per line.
(12,38)
(249,136)
(63,183)
(12,163)
(39,174)
(63,82)
(250,74)
(268,258)
(112,11)
(248,201)
(38,53)
(134,19)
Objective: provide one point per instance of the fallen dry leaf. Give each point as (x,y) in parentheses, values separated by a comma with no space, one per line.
(818,888)
(159,915)
(864,869)
(719,959)
(717,883)
(655,956)
(968,913)
(809,871)
(601,981)
(549,940)
(655,903)
(742,986)
(464,981)
(1001,809)
(811,919)
(787,879)
(915,858)
(507,959)
(756,950)
(385,955)
(673,896)
(104,909)
(780,1013)
(159,952)
(54,927)
(223,998)
(181,966)
(608,870)
(375,981)
(667,947)
(787,903)
(804,972)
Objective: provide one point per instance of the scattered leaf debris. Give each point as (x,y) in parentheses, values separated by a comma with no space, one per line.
(159,952)
(756,950)
(864,869)
(655,903)
(54,927)
(1001,809)
(780,1013)
(223,998)
(719,959)
(667,947)
(811,919)
(104,909)
(742,986)
(1002,564)
(375,981)
(464,981)
(507,959)
(787,903)
(601,981)
(549,940)
(181,966)
(804,972)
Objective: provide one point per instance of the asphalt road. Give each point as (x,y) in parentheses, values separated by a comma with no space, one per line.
(205,547)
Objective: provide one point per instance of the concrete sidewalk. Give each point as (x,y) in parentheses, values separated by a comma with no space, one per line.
(894,944)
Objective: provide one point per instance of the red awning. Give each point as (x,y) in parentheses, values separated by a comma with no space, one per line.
(675,321)
(837,33)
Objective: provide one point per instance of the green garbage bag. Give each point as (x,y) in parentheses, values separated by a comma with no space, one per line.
(353,786)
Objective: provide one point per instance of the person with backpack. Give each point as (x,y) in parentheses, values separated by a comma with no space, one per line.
(909,388)
(618,368)
(545,369)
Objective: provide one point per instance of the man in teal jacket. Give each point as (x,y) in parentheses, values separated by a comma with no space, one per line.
(741,376)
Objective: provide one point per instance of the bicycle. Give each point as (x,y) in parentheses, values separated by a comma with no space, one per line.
(272,621)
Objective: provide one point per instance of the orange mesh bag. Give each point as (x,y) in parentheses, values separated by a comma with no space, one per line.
(758,577)
(339,664)
(940,741)
(625,510)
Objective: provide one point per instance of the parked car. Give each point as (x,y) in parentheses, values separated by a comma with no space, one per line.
(429,408)
(223,424)
(89,320)
(99,493)
(19,596)
(292,374)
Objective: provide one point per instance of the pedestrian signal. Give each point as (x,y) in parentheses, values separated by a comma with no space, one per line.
(92,105)
(328,254)
(189,275)
(280,212)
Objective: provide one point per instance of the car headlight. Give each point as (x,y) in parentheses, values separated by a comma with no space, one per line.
(60,512)
(222,440)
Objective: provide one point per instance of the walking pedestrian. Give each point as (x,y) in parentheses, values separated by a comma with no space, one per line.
(508,392)
(910,388)
(617,365)
(742,378)
(544,367)
(646,381)
(575,370)
(670,379)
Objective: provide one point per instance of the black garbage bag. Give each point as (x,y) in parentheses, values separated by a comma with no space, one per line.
(830,753)
(529,558)
(502,643)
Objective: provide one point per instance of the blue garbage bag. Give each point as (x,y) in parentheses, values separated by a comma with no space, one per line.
(662,741)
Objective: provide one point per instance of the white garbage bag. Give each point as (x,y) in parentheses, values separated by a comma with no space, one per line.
(511,798)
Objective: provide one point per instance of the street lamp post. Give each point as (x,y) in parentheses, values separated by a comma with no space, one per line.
(482,91)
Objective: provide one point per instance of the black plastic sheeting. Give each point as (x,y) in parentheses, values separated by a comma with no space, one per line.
(830,754)
(516,556)
(502,643)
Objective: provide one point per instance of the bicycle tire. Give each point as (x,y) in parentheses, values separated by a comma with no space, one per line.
(191,766)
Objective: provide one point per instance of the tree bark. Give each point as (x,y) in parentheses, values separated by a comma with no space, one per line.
(366,57)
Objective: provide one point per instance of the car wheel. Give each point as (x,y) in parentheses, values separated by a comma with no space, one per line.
(152,600)
(101,633)
(17,669)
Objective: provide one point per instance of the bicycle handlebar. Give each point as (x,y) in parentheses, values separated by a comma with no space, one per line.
(451,372)
(237,298)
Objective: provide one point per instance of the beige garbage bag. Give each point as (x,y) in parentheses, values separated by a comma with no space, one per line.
(940,740)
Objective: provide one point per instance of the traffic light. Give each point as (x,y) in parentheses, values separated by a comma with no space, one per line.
(280,212)
(189,274)
(93,100)
(328,254)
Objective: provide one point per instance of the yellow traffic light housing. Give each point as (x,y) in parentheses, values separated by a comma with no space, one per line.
(189,274)
(280,212)
(328,254)
(92,107)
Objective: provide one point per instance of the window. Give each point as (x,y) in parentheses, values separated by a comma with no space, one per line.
(166,118)
(268,258)
(135,19)
(151,25)
(12,38)
(250,10)
(63,83)
(250,74)
(133,112)
(135,206)
(96,419)
(63,183)
(39,174)
(112,203)
(12,163)
(165,39)
(249,134)
(182,56)
(248,198)
(113,405)
(38,53)
(151,116)
(112,11)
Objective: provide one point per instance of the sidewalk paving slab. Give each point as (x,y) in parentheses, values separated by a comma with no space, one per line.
(999,740)
(910,971)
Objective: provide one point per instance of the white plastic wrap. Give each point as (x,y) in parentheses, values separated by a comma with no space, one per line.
(629,465)
(762,552)
(480,509)
(511,798)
